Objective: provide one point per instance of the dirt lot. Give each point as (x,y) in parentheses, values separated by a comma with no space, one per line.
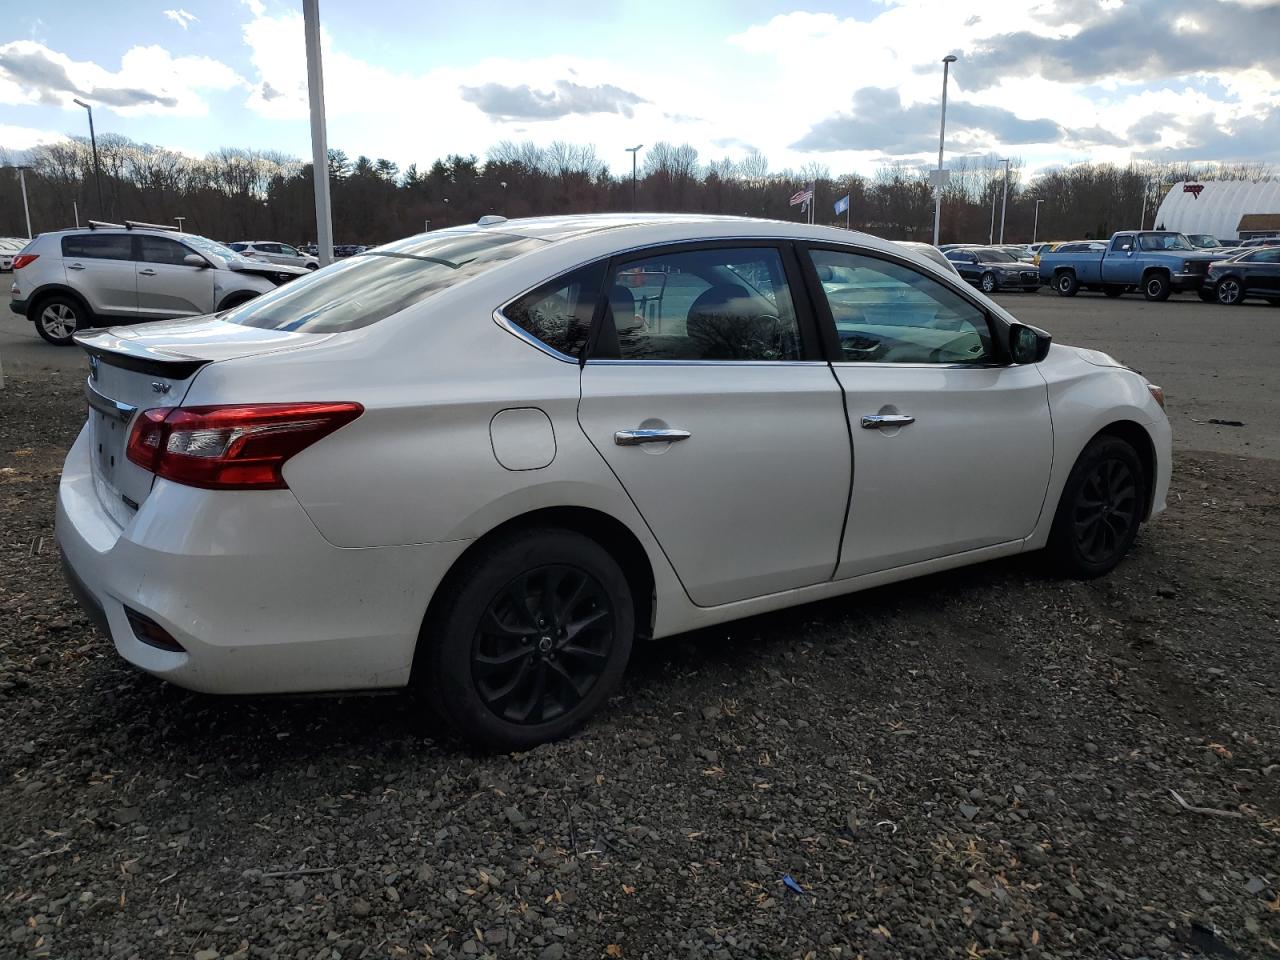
(977,764)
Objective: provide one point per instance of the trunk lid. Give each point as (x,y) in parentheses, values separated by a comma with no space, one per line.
(132,369)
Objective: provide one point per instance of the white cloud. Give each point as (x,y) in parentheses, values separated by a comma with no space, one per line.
(182,18)
(150,80)
(24,138)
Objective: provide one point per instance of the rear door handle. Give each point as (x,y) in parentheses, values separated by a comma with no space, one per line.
(633,438)
(147,272)
(75,266)
(879,420)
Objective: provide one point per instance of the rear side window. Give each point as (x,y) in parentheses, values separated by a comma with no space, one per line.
(369,287)
(558,314)
(100,246)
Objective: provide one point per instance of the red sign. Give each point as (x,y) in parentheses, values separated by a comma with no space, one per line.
(1193,189)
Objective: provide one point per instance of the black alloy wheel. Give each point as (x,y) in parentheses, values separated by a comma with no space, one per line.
(1102,506)
(542,644)
(988,282)
(1105,511)
(529,635)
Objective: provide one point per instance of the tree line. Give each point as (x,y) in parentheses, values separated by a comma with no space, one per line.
(233,194)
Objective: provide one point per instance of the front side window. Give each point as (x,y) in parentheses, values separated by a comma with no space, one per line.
(161,250)
(558,314)
(369,287)
(1269,255)
(888,313)
(101,246)
(286,249)
(714,304)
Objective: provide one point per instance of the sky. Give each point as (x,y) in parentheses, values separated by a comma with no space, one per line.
(847,85)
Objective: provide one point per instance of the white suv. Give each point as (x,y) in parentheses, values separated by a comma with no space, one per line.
(108,274)
(274,252)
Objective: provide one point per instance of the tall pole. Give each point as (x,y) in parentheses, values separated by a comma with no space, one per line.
(1142,221)
(991,233)
(1035,226)
(947,61)
(75,209)
(319,139)
(1005,202)
(633,151)
(97,167)
(22,178)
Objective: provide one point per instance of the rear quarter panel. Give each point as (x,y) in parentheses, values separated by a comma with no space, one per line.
(1086,264)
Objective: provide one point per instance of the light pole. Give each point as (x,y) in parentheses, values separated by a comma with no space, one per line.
(633,151)
(75,209)
(1035,226)
(319,137)
(97,168)
(947,61)
(991,232)
(1005,202)
(180,219)
(22,178)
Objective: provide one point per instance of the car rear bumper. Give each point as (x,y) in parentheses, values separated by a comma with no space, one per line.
(18,306)
(257,599)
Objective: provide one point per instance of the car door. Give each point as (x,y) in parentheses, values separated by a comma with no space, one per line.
(1122,263)
(951,448)
(168,286)
(706,394)
(966,264)
(290,256)
(1262,272)
(100,267)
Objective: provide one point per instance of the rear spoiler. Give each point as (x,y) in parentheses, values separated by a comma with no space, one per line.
(103,347)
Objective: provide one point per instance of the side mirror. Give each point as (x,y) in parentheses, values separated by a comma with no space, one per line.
(195,260)
(1028,344)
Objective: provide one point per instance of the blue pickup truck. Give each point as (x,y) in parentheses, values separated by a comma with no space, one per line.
(1157,262)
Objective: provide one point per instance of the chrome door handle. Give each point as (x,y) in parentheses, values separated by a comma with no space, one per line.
(886,420)
(633,438)
(75,266)
(147,272)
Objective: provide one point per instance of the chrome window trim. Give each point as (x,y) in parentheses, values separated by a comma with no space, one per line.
(517,331)
(929,366)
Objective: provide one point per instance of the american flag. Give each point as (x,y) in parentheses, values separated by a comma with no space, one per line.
(802,196)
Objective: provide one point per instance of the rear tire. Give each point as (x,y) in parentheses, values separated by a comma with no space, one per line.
(1155,287)
(58,317)
(1066,284)
(1101,508)
(534,634)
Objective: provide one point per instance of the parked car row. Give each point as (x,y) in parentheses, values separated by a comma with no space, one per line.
(9,248)
(70,280)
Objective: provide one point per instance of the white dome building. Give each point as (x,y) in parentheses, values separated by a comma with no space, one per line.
(1227,209)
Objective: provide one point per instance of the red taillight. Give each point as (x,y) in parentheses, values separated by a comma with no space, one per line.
(231,447)
(22,259)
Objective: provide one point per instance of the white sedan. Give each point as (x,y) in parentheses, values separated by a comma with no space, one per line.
(486,460)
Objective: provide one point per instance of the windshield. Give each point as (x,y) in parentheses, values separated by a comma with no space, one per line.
(205,245)
(1164,241)
(994,256)
(368,287)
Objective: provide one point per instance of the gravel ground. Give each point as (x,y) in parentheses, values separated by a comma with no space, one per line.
(978,764)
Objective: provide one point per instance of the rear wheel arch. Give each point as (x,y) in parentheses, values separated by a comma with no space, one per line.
(37,299)
(235,298)
(607,531)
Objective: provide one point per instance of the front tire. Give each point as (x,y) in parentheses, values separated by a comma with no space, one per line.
(988,283)
(1229,292)
(1155,287)
(58,318)
(1066,284)
(1101,508)
(534,635)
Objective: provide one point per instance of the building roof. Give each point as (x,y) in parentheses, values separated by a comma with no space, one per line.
(1217,207)
(1252,222)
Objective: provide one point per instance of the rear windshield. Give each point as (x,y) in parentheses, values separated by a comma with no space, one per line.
(373,285)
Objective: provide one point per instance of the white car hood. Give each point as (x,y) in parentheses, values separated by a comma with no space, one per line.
(1095,357)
